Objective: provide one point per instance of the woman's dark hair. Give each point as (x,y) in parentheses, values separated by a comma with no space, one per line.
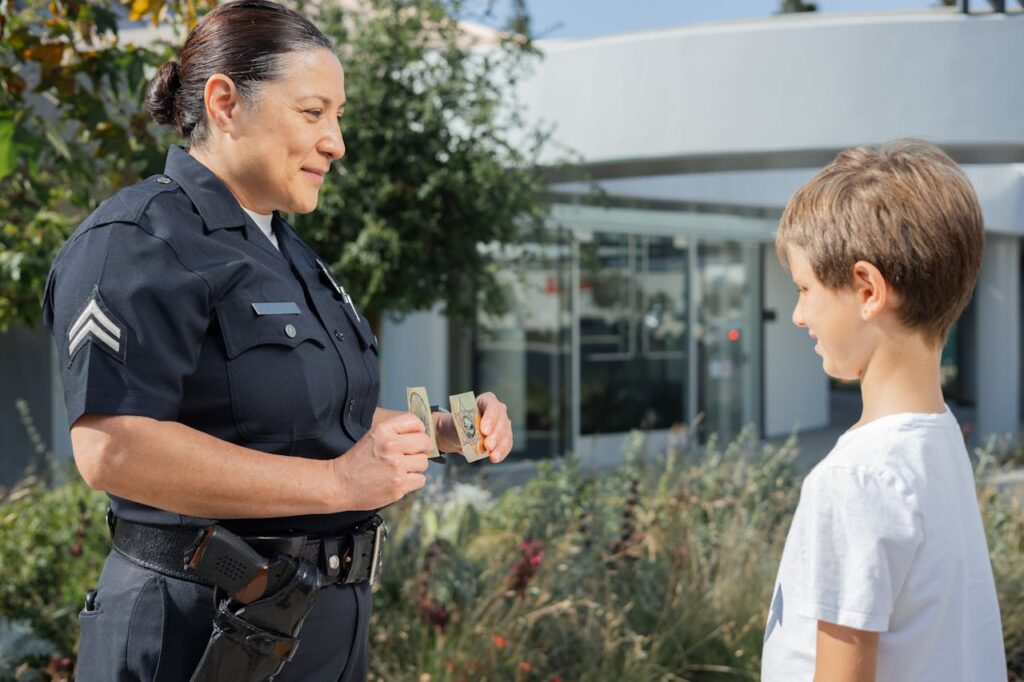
(244,40)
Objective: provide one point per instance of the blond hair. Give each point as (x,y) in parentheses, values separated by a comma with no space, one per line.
(906,208)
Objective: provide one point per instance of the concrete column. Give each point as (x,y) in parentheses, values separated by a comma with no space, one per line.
(414,352)
(997,336)
(795,385)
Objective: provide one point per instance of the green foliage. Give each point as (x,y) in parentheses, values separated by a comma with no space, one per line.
(793,6)
(18,644)
(1002,511)
(72,131)
(438,162)
(439,159)
(662,570)
(53,541)
(659,570)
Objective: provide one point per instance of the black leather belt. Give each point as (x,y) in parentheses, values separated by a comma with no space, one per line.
(350,558)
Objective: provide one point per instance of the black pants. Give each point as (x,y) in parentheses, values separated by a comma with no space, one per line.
(148,626)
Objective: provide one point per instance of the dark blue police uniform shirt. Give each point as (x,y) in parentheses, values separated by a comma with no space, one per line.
(168,302)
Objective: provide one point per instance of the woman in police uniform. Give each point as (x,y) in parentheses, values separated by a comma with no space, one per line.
(215,373)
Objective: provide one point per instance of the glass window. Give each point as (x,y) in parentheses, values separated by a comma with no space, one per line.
(728,336)
(661,326)
(633,316)
(523,355)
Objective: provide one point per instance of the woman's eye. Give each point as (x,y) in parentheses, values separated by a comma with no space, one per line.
(315,113)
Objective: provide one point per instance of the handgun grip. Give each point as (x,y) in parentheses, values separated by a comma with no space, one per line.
(225,560)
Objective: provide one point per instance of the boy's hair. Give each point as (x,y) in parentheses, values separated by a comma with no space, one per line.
(906,208)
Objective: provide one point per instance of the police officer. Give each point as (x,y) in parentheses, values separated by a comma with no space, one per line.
(217,376)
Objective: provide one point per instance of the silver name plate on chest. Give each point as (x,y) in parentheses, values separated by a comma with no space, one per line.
(285,308)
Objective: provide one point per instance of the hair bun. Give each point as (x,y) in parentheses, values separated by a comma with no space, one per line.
(161,95)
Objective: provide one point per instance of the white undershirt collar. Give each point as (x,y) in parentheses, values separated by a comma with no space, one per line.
(263,222)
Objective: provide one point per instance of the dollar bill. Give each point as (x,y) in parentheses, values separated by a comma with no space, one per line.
(467,424)
(419,405)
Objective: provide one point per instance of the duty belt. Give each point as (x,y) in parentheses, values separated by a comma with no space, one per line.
(352,557)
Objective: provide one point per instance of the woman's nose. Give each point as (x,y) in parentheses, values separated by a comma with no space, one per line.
(333,144)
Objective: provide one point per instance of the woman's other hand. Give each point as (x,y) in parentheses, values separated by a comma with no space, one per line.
(385,465)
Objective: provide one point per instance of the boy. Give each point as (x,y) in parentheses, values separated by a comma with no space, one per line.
(885,573)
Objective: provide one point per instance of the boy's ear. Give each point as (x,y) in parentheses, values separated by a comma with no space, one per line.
(873,292)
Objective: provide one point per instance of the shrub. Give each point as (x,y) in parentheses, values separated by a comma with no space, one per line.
(53,541)
(1002,512)
(659,570)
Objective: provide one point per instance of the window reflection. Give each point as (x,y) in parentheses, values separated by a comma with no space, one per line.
(523,355)
(634,331)
(633,315)
(729,326)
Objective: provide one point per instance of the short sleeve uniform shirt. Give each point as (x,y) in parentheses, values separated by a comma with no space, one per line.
(168,302)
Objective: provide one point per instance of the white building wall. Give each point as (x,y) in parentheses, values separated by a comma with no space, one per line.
(795,385)
(785,84)
(1000,189)
(735,105)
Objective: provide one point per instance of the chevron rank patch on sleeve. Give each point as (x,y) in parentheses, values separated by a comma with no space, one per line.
(96,324)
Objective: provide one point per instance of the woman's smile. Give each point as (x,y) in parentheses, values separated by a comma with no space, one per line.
(315,175)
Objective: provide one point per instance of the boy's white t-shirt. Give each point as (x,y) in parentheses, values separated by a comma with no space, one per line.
(888,537)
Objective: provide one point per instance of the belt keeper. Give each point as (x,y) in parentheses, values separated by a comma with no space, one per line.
(111,520)
(362,553)
(332,559)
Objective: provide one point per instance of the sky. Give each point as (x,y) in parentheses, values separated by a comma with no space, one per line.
(586,18)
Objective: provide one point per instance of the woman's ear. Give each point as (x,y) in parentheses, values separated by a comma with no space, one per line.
(873,292)
(222,102)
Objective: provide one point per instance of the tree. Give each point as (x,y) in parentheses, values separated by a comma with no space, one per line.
(72,130)
(793,6)
(439,160)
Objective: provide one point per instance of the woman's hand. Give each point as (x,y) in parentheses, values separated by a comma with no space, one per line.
(495,426)
(385,465)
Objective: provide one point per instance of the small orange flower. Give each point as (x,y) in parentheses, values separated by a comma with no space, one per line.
(525,666)
(556,678)
(499,641)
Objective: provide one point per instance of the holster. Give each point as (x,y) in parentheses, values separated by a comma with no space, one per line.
(264,586)
(254,641)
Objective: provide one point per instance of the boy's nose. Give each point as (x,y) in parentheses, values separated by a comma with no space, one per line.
(798,318)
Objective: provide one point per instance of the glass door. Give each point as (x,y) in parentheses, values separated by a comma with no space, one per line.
(728,336)
(633,314)
(524,354)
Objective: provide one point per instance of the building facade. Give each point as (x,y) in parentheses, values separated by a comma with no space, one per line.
(661,304)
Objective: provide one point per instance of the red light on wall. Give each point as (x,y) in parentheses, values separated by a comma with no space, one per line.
(733,335)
